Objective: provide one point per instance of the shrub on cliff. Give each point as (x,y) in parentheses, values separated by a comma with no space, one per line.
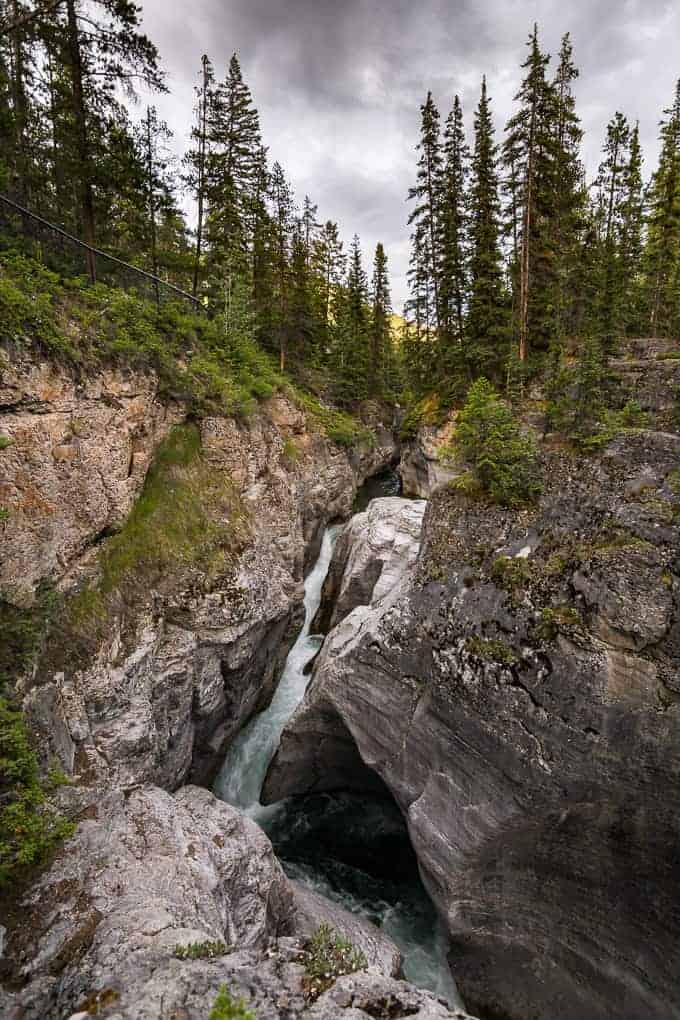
(227,1008)
(29,828)
(501,455)
(327,956)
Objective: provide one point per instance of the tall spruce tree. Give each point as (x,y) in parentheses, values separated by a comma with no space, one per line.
(453,214)
(351,361)
(486,327)
(530,150)
(611,189)
(662,251)
(425,216)
(570,196)
(631,237)
(233,167)
(380,324)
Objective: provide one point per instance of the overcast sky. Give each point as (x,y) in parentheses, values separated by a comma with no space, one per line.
(338,83)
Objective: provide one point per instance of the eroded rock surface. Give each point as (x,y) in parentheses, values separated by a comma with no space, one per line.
(518,695)
(165,692)
(148,872)
(370,556)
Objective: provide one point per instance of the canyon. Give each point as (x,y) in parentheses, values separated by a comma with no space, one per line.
(507,678)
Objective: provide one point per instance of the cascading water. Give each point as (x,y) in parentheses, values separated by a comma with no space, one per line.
(245,766)
(306,835)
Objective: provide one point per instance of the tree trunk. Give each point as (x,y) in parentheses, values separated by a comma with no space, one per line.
(84,164)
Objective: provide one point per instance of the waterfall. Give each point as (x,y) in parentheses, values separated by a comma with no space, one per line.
(401,909)
(245,766)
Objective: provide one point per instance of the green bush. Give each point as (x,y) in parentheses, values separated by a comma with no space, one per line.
(327,956)
(201,950)
(491,650)
(226,1008)
(29,828)
(5,441)
(502,457)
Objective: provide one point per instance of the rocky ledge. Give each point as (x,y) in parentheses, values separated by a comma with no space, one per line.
(158,901)
(518,693)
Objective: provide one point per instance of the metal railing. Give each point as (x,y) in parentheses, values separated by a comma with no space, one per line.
(61,248)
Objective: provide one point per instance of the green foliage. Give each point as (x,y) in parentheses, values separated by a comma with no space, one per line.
(217,369)
(29,828)
(4,514)
(227,1008)
(339,426)
(326,957)
(553,619)
(503,459)
(491,650)
(201,950)
(510,572)
(290,453)
(427,411)
(5,441)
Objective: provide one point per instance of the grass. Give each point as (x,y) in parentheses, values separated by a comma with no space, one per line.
(189,524)
(339,426)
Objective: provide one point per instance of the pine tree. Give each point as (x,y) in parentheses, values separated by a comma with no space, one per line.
(196,160)
(611,185)
(569,193)
(530,150)
(453,219)
(380,324)
(662,252)
(631,237)
(351,355)
(486,327)
(425,217)
(283,220)
(233,165)
(103,55)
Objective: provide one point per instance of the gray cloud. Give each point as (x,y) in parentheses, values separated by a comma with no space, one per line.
(338,83)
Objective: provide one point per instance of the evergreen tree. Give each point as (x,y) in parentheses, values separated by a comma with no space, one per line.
(611,185)
(530,151)
(283,220)
(425,216)
(380,324)
(351,360)
(453,218)
(232,166)
(662,253)
(570,196)
(631,236)
(196,160)
(486,327)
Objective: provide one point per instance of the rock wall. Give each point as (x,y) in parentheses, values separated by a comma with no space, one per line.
(518,693)
(162,704)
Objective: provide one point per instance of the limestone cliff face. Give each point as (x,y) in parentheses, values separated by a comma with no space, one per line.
(519,694)
(160,704)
